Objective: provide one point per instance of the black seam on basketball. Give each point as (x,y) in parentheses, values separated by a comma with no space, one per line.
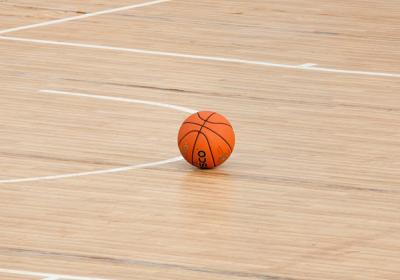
(180,140)
(212,121)
(208,143)
(198,114)
(219,123)
(216,133)
(198,133)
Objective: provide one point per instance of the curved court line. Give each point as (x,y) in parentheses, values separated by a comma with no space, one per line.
(304,67)
(96,172)
(121,99)
(112,170)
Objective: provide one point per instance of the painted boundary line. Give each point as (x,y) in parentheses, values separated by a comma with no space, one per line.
(47,276)
(111,170)
(304,67)
(120,99)
(56,21)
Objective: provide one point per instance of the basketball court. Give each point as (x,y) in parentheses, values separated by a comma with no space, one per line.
(92,183)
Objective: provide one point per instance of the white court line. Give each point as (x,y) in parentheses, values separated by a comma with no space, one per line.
(307,65)
(52,278)
(121,99)
(112,170)
(205,58)
(47,275)
(108,11)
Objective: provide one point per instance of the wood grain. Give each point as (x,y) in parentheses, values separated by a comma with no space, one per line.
(311,191)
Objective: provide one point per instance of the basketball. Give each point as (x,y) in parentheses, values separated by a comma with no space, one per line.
(206,139)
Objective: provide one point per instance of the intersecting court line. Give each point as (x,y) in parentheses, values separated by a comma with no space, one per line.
(56,21)
(304,67)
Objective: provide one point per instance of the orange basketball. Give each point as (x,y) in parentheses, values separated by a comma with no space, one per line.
(206,139)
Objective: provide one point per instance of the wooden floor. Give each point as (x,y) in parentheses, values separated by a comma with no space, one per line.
(312,190)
